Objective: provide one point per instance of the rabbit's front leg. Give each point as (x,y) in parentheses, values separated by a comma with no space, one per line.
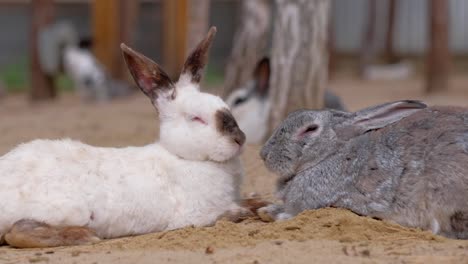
(236,214)
(273,212)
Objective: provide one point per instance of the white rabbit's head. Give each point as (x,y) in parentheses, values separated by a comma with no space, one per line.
(193,125)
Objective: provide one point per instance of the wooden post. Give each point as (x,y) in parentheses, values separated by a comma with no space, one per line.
(174,35)
(114,22)
(299,57)
(42,85)
(129,11)
(390,56)
(106,34)
(198,22)
(438,57)
(332,58)
(367,46)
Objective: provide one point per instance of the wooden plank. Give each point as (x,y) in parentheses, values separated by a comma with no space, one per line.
(114,22)
(174,35)
(438,57)
(42,85)
(106,34)
(390,56)
(198,22)
(129,11)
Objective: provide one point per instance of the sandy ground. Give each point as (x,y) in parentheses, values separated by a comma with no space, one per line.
(331,235)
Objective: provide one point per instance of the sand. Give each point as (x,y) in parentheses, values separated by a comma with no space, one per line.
(326,235)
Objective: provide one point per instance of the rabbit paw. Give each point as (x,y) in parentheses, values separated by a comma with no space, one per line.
(236,215)
(253,202)
(28,233)
(273,212)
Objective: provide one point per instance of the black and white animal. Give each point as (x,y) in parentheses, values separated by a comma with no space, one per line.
(251,105)
(89,77)
(61,51)
(400,161)
(64,192)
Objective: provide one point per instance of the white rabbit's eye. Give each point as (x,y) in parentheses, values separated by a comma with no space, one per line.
(308,130)
(197,119)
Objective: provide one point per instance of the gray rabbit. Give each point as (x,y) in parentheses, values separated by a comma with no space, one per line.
(401,161)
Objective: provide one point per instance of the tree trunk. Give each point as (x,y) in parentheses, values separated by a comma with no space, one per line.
(332,58)
(42,85)
(390,56)
(368,41)
(198,22)
(438,59)
(299,57)
(250,42)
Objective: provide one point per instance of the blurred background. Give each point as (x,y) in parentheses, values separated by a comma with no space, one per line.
(62,74)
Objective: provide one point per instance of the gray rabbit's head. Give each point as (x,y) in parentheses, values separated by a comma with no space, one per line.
(307,137)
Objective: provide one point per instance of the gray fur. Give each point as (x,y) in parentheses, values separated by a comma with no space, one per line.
(401,161)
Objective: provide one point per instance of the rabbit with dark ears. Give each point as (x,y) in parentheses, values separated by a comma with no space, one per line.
(64,192)
(401,161)
(251,105)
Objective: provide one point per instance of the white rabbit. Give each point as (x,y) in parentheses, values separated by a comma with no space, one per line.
(64,192)
(251,106)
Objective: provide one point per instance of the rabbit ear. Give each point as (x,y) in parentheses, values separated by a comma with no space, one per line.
(383,115)
(374,117)
(262,76)
(196,61)
(151,79)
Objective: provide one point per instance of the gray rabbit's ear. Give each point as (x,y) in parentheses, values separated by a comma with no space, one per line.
(379,116)
(385,114)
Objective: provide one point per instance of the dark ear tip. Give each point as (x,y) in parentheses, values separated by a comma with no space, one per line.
(264,60)
(263,66)
(125,49)
(212,31)
(129,53)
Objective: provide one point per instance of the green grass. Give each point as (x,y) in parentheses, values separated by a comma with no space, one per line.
(214,75)
(16,78)
(64,83)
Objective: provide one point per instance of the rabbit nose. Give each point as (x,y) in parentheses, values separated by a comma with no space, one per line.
(239,137)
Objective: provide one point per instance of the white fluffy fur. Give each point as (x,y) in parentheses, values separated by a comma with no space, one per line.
(190,177)
(251,115)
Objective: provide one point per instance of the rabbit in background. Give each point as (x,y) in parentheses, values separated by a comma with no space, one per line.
(401,161)
(251,106)
(62,51)
(89,77)
(64,192)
